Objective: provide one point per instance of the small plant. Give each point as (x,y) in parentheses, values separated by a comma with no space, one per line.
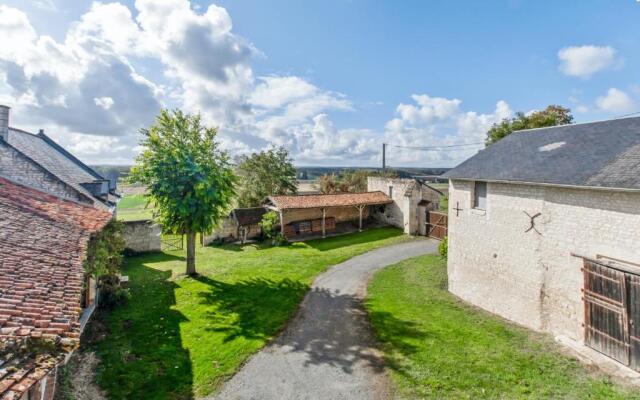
(443,248)
(268,225)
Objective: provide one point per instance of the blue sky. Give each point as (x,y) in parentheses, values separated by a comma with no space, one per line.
(330,80)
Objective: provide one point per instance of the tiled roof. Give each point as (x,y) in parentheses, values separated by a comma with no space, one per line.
(43,241)
(249,216)
(329,200)
(603,154)
(54,159)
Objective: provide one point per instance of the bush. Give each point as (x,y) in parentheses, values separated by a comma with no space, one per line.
(111,293)
(443,248)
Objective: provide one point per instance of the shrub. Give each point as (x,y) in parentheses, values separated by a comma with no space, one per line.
(111,293)
(443,248)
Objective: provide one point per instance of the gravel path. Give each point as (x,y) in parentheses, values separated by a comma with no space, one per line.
(327,351)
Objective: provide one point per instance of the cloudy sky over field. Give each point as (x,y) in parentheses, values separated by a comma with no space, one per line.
(330,80)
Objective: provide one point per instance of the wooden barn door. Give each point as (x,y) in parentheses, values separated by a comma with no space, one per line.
(605,309)
(633,282)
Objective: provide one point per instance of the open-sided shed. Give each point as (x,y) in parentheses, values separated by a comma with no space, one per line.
(302,214)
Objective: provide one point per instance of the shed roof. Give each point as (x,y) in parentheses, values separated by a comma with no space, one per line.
(249,216)
(329,200)
(603,154)
(43,240)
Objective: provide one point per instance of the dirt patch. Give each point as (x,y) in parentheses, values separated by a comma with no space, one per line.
(76,379)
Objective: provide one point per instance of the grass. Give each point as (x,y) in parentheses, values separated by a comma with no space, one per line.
(180,337)
(436,346)
(133,207)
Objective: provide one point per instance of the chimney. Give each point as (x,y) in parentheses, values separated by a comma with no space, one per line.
(4,122)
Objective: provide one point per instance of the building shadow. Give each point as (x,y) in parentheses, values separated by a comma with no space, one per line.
(139,343)
(254,309)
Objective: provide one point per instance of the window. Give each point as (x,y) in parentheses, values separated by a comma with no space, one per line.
(480,195)
(391,191)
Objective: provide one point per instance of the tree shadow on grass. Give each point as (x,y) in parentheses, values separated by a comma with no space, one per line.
(352,239)
(140,345)
(333,328)
(254,309)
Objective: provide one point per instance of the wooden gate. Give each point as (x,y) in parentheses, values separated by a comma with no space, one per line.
(437,224)
(171,242)
(611,309)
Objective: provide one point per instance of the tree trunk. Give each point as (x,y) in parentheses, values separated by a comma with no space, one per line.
(191,253)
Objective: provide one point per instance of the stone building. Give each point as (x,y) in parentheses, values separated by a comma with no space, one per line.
(412,199)
(45,295)
(38,161)
(241,224)
(544,229)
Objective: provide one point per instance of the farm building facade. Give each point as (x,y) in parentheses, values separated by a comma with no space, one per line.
(544,229)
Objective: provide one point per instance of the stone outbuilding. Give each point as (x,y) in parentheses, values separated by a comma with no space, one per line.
(544,230)
(412,200)
(242,224)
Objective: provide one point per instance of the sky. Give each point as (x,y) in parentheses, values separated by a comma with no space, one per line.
(329,80)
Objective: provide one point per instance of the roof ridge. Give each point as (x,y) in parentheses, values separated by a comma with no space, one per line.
(599,121)
(325,194)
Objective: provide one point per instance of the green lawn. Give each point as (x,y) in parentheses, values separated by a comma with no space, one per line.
(436,346)
(180,337)
(133,207)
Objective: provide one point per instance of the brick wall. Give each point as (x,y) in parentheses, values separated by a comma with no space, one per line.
(15,166)
(529,278)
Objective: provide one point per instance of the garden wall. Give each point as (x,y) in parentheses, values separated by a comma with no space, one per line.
(142,236)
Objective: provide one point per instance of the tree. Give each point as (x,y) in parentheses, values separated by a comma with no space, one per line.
(188,177)
(349,181)
(551,116)
(263,174)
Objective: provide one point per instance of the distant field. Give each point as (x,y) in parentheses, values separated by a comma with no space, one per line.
(132,208)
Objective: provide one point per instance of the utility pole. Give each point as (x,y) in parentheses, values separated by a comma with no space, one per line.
(384,159)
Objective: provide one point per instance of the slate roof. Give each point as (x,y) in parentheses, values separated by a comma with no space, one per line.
(329,200)
(55,159)
(602,154)
(43,241)
(249,216)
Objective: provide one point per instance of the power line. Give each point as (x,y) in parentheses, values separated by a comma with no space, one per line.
(627,115)
(441,148)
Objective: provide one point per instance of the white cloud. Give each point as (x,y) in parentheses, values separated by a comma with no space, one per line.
(104,102)
(615,101)
(116,67)
(584,61)
(434,121)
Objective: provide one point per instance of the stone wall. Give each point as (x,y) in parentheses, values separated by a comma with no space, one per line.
(532,278)
(17,167)
(405,211)
(228,231)
(142,236)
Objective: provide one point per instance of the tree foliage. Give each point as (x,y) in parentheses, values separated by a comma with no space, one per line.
(551,116)
(269,224)
(349,181)
(188,177)
(263,174)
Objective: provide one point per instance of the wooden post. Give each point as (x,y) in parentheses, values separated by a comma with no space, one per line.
(282,222)
(324,215)
(360,209)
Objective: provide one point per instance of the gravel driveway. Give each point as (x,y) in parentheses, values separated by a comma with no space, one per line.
(327,351)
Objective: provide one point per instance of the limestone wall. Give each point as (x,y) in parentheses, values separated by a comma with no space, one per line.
(228,231)
(528,277)
(142,236)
